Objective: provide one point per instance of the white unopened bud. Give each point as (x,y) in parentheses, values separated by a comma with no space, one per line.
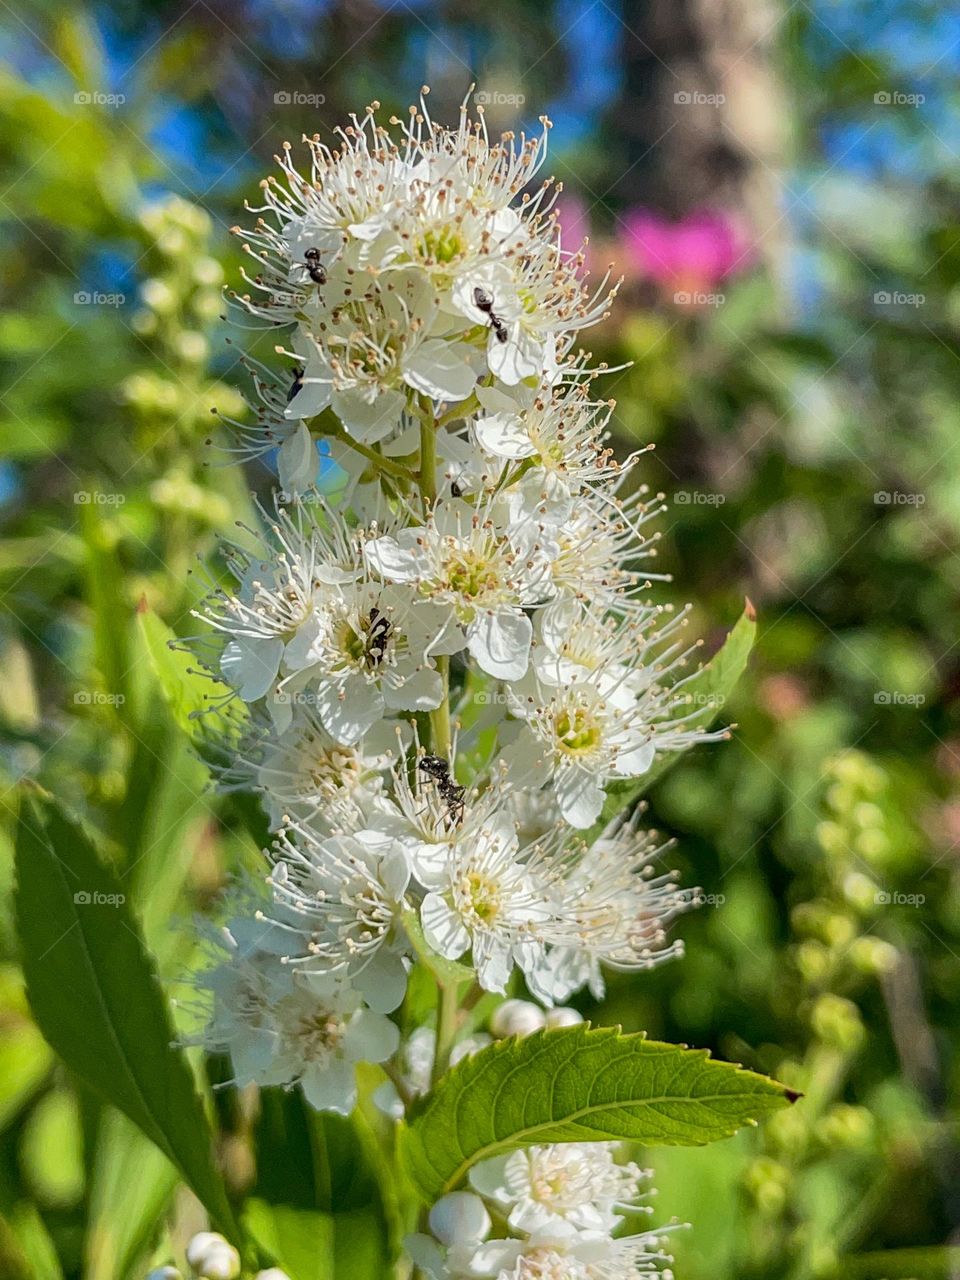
(212,1257)
(517,1018)
(271,1273)
(164,1273)
(564,1016)
(460,1218)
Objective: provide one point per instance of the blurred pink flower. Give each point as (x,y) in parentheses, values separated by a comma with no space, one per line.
(690,256)
(574,221)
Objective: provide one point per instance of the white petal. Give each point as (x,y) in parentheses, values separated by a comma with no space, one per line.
(370,1037)
(312,398)
(635,761)
(518,358)
(503,435)
(251,666)
(441,370)
(383,983)
(443,928)
(500,642)
(579,795)
(331,1087)
(349,709)
(421,692)
(369,418)
(297,461)
(386,557)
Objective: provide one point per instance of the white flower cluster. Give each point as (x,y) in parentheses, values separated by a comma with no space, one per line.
(561,1210)
(437,672)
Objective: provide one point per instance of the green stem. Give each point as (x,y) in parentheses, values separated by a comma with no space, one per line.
(381,463)
(448,1008)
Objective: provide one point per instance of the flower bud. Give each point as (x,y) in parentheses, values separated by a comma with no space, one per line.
(192,346)
(460,1218)
(158,295)
(271,1273)
(874,956)
(517,1018)
(164,1273)
(838,1023)
(564,1016)
(212,1257)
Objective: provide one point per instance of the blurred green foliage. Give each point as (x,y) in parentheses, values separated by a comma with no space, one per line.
(815,447)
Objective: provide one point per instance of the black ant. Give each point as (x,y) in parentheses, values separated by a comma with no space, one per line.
(451,792)
(483,301)
(379,628)
(296,385)
(315,268)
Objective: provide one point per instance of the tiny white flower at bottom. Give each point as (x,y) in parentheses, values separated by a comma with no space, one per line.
(564,1185)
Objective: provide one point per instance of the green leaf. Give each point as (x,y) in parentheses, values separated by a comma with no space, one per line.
(95,996)
(576,1084)
(189,694)
(132,1184)
(936,1263)
(706,690)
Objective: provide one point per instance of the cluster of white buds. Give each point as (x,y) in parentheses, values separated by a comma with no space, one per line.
(561,1212)
(211,1257)
(437,668)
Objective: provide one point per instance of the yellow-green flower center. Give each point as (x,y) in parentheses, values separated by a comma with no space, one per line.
(577,731)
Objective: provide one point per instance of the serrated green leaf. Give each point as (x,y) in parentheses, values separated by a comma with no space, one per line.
(577,1084)
(188,693)
(95,996)
(707,690)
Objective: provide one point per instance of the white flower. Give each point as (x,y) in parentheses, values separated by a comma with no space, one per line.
(557,1255)
(575,1184)
(596,707)
(341,899)
(245,989)
(481,897)
(611,909)
(481,573)
(363,652)
(276,595)
(323,1037)
(302,772)
(578,739)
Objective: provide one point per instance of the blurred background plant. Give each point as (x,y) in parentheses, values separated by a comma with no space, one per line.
(778,185)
